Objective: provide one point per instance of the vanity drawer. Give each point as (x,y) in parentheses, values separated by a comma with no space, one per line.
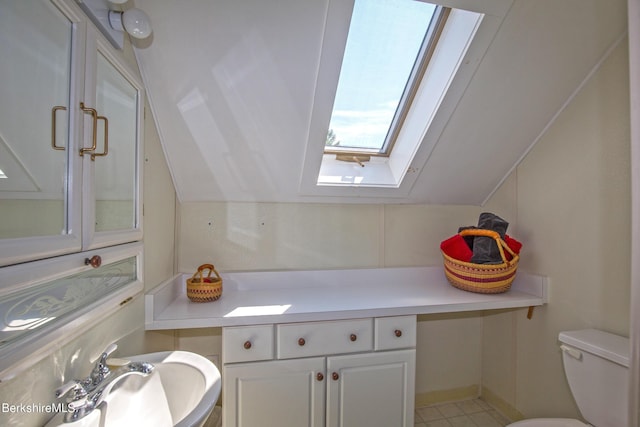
(323,338)
(247,343)
(395,332)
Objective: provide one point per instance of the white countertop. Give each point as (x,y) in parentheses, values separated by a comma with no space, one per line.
(251,298)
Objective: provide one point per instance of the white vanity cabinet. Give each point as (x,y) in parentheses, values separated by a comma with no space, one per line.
(344,373)
(70,135)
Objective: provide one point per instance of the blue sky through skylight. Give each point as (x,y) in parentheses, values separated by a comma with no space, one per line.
(383,42)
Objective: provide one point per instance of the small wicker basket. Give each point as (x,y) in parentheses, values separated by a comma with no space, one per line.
(204,289)
(482,278)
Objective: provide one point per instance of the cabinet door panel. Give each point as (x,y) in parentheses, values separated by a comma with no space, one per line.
(274,394)
(112,202)
(375,389)
(38,50)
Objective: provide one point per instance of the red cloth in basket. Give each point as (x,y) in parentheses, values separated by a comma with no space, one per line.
(456,247)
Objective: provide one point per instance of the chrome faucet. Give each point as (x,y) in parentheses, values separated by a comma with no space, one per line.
(83,396)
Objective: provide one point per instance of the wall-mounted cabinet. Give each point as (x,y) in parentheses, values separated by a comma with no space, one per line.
(70,135)
(47,303)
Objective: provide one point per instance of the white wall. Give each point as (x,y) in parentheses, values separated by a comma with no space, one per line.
(264,236)
(570,199)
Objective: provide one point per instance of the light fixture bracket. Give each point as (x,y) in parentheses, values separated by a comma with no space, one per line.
(98,12)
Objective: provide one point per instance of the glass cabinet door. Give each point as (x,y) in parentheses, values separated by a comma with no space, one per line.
(112,208)
(36,217)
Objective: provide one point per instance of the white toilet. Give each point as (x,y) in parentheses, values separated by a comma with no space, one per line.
(596,364)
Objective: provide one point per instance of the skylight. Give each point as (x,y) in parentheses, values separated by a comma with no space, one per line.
(387,46)
(386,134)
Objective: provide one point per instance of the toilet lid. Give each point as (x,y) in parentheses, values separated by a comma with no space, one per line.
(549,422)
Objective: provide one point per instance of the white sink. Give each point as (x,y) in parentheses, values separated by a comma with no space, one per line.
(181,391)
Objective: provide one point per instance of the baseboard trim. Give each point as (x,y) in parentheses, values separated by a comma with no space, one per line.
(470,392)
(451,395)
(501,405)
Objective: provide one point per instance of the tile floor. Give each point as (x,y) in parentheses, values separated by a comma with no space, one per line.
(466,413)
(215,419)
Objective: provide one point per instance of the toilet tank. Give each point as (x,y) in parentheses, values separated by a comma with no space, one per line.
(596,364)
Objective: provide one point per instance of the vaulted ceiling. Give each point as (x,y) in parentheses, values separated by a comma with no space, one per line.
(232,84)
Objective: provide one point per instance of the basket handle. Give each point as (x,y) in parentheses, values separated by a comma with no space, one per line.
(199,276)
(494,235)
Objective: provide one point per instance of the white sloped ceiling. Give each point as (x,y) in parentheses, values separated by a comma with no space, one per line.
(231,85)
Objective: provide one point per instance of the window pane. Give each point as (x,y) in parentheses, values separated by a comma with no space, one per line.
(384,41)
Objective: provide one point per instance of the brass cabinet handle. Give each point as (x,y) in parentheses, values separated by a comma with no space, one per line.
(94,137)
(320,377)
(53,126)
(247,345)
(335,376)
(353,337)
(397,333)
(106,138)
(301,342)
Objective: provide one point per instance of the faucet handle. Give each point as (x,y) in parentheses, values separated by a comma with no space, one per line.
(102,361)
(100,370)
(72,386)
(107,352)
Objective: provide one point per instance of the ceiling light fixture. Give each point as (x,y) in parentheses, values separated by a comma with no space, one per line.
(114,23)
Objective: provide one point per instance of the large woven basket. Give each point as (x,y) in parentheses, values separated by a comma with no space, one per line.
(482,278)
(204,289)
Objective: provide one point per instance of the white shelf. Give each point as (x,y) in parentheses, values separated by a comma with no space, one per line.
(251,298)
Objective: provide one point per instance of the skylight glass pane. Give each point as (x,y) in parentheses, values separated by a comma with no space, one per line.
(383,44)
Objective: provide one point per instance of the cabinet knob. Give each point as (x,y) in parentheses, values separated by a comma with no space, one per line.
(397,333)
(335,376)
(320,377)
(95,261)
(353,337)
(247,345)
(301,342)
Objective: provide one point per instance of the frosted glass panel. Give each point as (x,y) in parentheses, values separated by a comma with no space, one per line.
(54,302)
